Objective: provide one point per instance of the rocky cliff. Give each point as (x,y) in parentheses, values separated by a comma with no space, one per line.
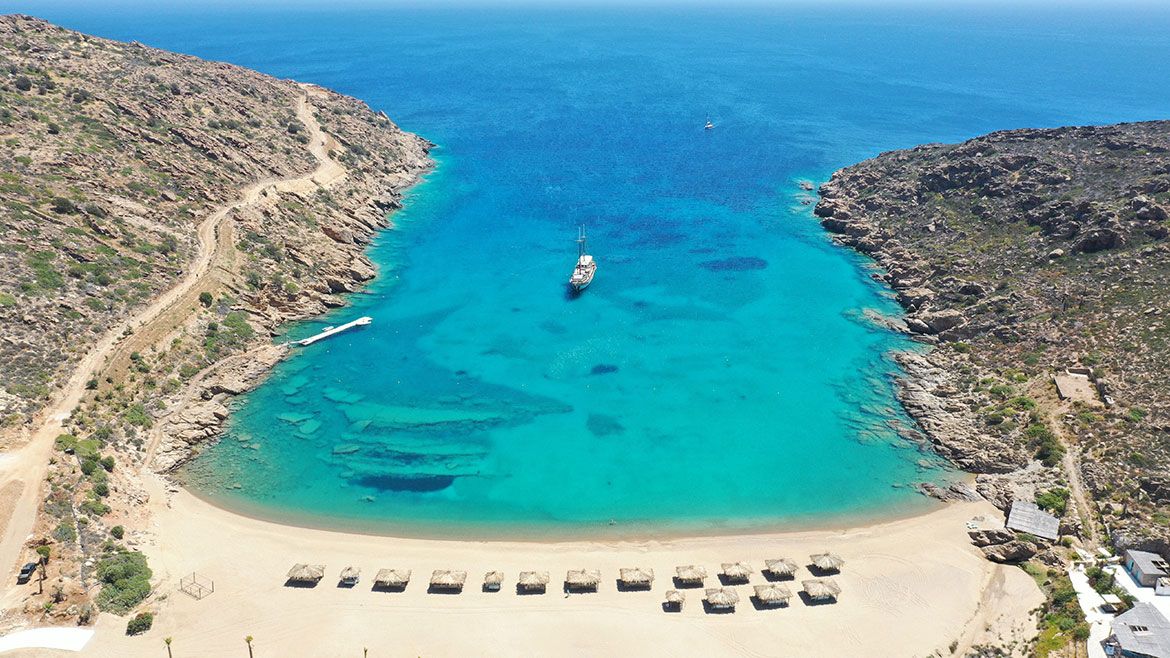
(1022,254)
(114,153)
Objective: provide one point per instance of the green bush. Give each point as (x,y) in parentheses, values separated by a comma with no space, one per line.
(65,533)
(136,415)
(1048,448)
(125,579)
(46,275)
(64,206)
(108,463)
(1002,391)
(1022,402)
(140,623)
(1053,500)
(95,507)
(1135,414)
(117,532)
(206,299)
(233,332)
(23,83)
(1140,460)
(1101,580)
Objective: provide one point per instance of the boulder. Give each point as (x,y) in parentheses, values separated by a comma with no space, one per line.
(958,491)
(1100,239)
(993,537)
(917,326)
(1146,209)
(973,289)
(1012,552)
(940,321)
(338,233)
(915,297)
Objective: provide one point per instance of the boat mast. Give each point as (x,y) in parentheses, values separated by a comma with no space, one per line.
(580,241)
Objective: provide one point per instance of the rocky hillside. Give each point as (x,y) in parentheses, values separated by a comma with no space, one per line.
(113,155)
(1022,254)
(161,216)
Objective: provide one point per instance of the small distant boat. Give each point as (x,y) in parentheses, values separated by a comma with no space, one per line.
(586,266)
(709,125)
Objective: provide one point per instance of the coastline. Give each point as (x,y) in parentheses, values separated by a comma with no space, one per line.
(897,573)
(220,383)
(601,531)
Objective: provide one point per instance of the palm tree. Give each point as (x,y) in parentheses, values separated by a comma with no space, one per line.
(167,641)
(248,639)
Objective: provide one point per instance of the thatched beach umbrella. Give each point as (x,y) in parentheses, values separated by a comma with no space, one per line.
(827,562)
(532,580)
(722,598)
(691,574)
(675,598)
(773,594)
(493,579)
(306,573)
(392,578)
(443,579)
(350,575)
(583,579)
(736,571)
(820,589)
(636,577)
(781,568)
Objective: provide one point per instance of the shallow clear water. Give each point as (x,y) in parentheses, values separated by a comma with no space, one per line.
(719,373)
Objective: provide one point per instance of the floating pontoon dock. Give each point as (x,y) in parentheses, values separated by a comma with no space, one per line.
(329,331)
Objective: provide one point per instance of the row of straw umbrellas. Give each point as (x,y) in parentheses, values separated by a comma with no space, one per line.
(817,590)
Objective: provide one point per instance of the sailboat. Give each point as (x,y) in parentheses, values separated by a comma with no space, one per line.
(586,266)
(709,125)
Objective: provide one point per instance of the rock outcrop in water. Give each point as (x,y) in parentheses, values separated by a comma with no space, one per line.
(1021,254)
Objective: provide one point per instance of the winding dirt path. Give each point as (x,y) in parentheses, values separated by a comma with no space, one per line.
(1072,469)
(23,470)
(1054,409)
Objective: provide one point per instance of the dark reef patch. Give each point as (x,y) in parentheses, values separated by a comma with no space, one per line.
(416,483)
(554,327)
(601,425)
(735,264)
(660,239)
(603,369)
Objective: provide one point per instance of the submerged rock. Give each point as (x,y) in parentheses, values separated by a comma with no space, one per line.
(601,425)
(735,264)
(415,483)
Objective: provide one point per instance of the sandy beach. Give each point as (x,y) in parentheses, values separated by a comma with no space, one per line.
(910,588)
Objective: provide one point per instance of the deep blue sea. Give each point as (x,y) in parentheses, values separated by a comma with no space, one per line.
(720,372)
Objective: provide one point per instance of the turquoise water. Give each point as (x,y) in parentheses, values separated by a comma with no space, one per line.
(719,373)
